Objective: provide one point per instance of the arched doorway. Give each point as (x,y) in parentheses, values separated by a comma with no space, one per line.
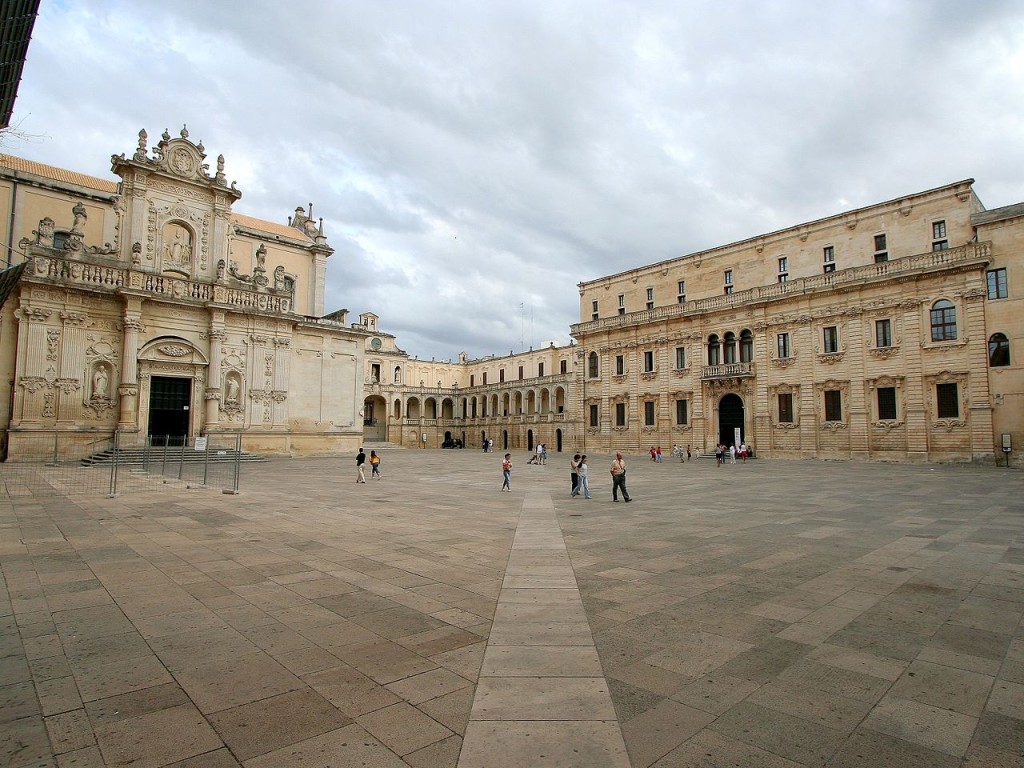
(504,439)
(529,439)
(558,440)
(375,422)
(730,416)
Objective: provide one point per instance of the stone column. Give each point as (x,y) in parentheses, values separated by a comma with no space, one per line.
(279,393)
(213,373)
(31,388)
(72,365)
(128,390)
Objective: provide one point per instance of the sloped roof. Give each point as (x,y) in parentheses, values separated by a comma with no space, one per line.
(56,174)
(271,227)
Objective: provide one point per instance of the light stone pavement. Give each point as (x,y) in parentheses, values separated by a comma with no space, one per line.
(773,613)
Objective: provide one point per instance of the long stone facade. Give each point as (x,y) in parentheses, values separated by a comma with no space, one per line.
(147,306)
(891,332)
(874,334)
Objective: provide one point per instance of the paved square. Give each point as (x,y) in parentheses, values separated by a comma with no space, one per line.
(773,613)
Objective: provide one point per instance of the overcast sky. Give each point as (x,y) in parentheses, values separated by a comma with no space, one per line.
(473,161)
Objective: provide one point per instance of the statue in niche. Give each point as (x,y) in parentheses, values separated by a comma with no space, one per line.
(136,252)
(261,257)
(231,395)
(220,269)
(279,279)
(178,249)
(100,383)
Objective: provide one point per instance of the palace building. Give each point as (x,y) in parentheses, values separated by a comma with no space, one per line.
(890,332)
(149,307)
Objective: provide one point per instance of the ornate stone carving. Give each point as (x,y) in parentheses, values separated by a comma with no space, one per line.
(174,350)
(33,384)
(52,339)
(883,353)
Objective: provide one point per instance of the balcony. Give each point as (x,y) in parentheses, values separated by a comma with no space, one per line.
(727,371)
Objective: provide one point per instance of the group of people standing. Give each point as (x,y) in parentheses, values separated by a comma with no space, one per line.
(579,476)
(721,453)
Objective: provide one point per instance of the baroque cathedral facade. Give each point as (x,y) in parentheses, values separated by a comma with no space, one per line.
(150,307)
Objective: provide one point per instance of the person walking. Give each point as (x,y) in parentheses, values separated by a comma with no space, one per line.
(360,464)
(619,478)
(574,477)
(583,471)
(374,465)
(506,473)
(657,455)
(732,453)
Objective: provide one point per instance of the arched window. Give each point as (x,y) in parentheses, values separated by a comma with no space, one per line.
(998,350)
(592,368)
(730,348)
(746,347)
(714,350)
(943,317)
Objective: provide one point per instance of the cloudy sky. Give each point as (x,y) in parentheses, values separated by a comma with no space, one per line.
(475,160)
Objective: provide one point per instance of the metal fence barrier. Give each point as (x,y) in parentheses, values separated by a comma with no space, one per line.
(62,463)
(213,461)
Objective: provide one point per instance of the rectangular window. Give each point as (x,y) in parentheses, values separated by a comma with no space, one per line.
(620,365)
(828,254)
(783,264)
(593,310)
(501,374)
(881,249)
(830,339)
(594,415)
(728,290)
(622,303)
(648,413)
(681,290)
(948,403)
(485,377)
(520,373)
(680,357)
(939,241)
(783,278)
(943,319)
(472,379)
(782,345)
(540,369)
(883,333)
(563,366)
(620,414)
(887,403)
(833,405)
(830,267)
(785,408)
(681,412)
(650,298)
(648,361)
(996,283)
(728,277)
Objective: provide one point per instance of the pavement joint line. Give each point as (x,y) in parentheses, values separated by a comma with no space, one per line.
(540,685)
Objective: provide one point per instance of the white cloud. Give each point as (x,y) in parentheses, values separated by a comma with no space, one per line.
(471,157)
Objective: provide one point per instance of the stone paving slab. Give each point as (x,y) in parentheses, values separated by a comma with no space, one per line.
(779,614)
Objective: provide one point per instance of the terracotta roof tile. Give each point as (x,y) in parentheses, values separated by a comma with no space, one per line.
(270,227)
(57,174)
